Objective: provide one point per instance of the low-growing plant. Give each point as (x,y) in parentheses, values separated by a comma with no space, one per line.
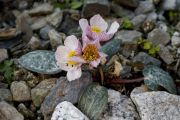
(7,69)
(148,46)
(127,24)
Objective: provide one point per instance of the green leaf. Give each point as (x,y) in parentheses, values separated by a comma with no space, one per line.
(147,45)
(40,61)
(127,24)
(76,4)
(155,77)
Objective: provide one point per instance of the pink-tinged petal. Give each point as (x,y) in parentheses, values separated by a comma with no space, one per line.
(97,20)
(78,59)
(63,66)
(97,43)
(85,41)
(114,27)
(95,63)
(102,55)
(71,42)
(61,54)
(83,24)
(74,74)
(79,49)
(105,37)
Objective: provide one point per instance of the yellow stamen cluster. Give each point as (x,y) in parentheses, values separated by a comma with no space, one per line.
(90,53)
(71,54)
(96,29)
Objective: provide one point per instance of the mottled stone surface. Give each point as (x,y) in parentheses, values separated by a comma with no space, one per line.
(20,91)
(128,35)
(3,55)
(120,107)
(157,105)
(166,55)
(158,36)
(146,59)
(8,112)
(175,40)
(144,7)
(25,111)
(64,91)
(41,90)
(67,111)
(5,94)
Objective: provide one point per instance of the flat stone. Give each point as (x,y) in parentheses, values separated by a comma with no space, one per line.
(3,55)
(178,26)
(9,33)
(144,7)
(44,32)
(67,111)
(25,111)
(128,35)
(146,59)
(152,16)
(42,9)
(157,105)
(5,94)
(158,36)
(169,4)
(41,90)
(138,20)
(34,43)
(128,3)
(56,38)
(55,18)
(8,112)
(166,55)
(92,7)
(120,107)
(20,91)
(175,40)
(64,91)
(39,23)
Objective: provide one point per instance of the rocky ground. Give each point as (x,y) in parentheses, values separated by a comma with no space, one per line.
(140,80)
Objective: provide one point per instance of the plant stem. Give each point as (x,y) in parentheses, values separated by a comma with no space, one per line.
(124,81)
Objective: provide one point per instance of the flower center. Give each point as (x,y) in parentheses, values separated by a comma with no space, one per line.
(71,54)
(96,29)
(90,53)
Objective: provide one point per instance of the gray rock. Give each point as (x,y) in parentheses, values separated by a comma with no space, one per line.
(120,107)
(44,32)
(42,9)
(169,4)
(152,16)
(128,3)
(55,18)
(128,35)
(165,54)
(162,26)
(178,26)
(92,7)
(144,7)
(20,91)
(157,105)
(22,24)
(146,59)
(5,94)
(175,40)
(56,38)
(41,90)
(34,43)
(138,90)
(8,112)
(25,111)
(138,20)
(64,91)
(67,111)
(23,4)
(39,23)
(3,55)
(158,36)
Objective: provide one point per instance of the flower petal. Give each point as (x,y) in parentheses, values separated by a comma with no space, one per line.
(95,63)
(105,37)
(102,55)
(71,42)
(63,66)
(114,27)
(74,74)
(78,59)
(83,24)
(98,21)
(61,54)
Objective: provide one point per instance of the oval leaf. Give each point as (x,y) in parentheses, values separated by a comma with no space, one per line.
(155,77)
(40,61)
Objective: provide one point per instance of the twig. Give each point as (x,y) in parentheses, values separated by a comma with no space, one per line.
(124,81)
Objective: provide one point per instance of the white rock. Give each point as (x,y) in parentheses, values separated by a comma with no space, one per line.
(55,18)
(39,23)
(157,105)
(3,54)
(120,107)
(67,111)
(169,4)
(8,112)
(175,39)
(34,43)
(56,38)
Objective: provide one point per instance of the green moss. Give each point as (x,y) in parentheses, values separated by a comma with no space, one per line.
(127,24)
